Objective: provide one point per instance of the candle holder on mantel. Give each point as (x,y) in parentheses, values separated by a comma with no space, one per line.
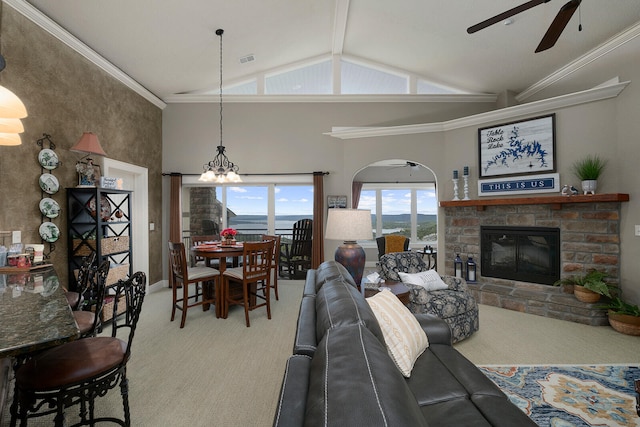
(455,189)
(466,187)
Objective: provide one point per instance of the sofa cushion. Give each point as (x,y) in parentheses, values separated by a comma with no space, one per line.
(330,270)
(291,407)
(430,280)
(354,383)
(338,303)
(405,338)
(305,339)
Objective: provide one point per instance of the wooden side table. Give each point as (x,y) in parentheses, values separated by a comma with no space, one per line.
(398,289)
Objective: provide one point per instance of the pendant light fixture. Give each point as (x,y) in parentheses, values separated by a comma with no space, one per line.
(11,111)
(220,169)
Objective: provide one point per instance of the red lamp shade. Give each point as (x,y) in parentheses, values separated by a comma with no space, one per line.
(89,143)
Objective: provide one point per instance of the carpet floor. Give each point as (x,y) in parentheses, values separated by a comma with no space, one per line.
(571,396)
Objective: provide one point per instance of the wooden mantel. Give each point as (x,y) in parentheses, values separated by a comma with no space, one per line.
(556,202)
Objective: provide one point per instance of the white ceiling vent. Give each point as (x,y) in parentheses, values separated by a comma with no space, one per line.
(247,58)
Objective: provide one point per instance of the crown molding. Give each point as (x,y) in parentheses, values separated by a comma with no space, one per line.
(608,90)
(44,22)
(195,99)
(591,56)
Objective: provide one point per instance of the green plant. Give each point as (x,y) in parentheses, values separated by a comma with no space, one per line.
(589,167)
(593,281)
(618,305)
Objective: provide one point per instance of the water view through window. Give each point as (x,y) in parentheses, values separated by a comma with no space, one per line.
(251,209)
(402,210)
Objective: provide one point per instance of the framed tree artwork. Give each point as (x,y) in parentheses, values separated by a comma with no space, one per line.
(518,148)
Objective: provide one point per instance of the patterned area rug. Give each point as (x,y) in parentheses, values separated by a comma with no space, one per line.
(568,396)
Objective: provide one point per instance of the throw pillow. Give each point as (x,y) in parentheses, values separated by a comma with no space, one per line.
(430,280)
(405,338)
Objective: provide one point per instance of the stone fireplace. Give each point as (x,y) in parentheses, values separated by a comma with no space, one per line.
(530,254)
(588,239)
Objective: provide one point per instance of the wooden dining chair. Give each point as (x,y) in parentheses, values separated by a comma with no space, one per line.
(205,281)
(275,261)
(251,280)
(89,317)
(197,241)
(77,372)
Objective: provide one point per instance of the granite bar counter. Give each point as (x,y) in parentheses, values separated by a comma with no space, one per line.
(34,313)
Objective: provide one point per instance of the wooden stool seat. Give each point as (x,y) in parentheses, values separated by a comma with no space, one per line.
(73,298)
(71,363)
(85,320)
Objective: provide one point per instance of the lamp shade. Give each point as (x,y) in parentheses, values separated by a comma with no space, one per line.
(11,107)
(349,225)
(11,126)
(10,139)
(89,143)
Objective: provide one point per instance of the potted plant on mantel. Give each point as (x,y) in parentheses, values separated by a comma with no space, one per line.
(588,287)
(588,170)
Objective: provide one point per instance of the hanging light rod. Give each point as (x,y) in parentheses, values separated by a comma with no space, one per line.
(220,169)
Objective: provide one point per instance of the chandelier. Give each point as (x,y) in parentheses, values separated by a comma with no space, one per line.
(220,169)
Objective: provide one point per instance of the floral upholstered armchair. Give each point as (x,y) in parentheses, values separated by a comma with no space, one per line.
(454,304)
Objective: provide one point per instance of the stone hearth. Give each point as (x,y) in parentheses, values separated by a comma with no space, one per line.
(589,238)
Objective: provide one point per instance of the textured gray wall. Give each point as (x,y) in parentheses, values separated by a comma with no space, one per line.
(65,95)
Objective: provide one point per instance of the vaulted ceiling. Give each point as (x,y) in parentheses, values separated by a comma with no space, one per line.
(170,47)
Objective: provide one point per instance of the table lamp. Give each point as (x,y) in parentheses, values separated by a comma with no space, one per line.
(350,225)
(88,173)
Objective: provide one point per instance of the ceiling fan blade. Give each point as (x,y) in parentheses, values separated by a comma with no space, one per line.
(558,25)
(504,15)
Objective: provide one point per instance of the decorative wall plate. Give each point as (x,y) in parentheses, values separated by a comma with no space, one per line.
(49,183)
(105,208)
(49,232)
(48,159)
(49,207)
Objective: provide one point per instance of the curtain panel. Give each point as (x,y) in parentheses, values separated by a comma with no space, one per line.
(317,248)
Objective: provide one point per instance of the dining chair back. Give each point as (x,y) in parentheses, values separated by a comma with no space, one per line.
(75,297)
(89,317)
(274,261)
(251,280)
(295,255)
(197,241)
(205,281)
(77,372)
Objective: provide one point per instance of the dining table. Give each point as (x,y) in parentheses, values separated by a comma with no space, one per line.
(216,250)
(34,312)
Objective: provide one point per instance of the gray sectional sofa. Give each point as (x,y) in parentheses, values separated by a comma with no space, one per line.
(340,373)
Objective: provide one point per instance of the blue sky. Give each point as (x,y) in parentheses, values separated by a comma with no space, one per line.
(290,200)
(399,201)
(298,200)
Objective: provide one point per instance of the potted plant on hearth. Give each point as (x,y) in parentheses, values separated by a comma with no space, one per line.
(588,287)
(588,170)
(623,316)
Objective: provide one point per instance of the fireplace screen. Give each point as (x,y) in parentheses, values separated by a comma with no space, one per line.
(528,254)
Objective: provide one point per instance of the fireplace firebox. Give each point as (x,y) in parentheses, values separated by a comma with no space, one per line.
(528,254)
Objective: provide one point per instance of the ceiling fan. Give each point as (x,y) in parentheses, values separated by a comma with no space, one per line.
(555,29)
(406,164)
